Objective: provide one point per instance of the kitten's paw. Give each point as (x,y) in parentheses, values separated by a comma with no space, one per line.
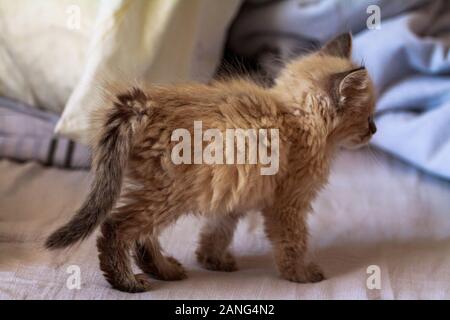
(173,270)
(314,273)
(168,270)
(165,268)
(308,274)
(140,283)
(224,263)
(143,282)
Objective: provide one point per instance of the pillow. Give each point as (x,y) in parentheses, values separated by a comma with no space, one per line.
(42,53)
(156,41)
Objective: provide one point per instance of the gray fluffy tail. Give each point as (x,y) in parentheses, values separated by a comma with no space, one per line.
(110,158)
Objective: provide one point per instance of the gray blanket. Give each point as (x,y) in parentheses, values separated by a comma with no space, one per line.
(26,134)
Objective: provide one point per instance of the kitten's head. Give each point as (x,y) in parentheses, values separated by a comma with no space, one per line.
(348,88)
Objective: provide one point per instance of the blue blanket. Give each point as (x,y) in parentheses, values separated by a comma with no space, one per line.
(408,57)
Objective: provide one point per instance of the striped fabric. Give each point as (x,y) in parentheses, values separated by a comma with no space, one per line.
(26,134)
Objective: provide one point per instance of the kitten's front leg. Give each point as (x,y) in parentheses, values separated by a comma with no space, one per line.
(287,230)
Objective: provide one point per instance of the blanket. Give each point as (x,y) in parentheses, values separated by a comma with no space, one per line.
(407,54)
(27,134)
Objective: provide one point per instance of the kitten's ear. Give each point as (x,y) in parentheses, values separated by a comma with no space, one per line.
(350,85)
(341,46)
(353,80)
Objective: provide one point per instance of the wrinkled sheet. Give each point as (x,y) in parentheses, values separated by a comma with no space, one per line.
(375,211)
(408,58)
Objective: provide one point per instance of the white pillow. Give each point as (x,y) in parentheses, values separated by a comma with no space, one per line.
(42,53)
(155,41)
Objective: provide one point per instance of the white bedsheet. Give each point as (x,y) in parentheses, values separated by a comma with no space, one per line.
(375,211)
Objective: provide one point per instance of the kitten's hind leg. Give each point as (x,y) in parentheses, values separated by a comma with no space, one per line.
(149,258)
(114,258)
(215,238)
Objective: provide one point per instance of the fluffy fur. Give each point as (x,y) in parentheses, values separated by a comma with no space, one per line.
(319,103)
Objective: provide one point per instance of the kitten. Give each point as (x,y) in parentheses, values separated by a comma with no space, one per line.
(318,103)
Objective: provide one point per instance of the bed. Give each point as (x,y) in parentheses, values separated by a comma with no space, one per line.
(376,211)
(381,228)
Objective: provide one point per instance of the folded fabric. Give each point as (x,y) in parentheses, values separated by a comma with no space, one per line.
(27,134)
(408,57)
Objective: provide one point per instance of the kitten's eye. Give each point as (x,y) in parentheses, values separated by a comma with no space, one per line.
(372,126)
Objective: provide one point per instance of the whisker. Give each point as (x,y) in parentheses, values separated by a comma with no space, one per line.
(373,156)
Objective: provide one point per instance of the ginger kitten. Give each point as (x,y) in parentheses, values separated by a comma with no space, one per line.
(319,102)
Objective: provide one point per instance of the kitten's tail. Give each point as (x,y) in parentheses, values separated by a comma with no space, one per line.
(110,158)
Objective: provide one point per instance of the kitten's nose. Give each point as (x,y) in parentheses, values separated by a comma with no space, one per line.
(372,127)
